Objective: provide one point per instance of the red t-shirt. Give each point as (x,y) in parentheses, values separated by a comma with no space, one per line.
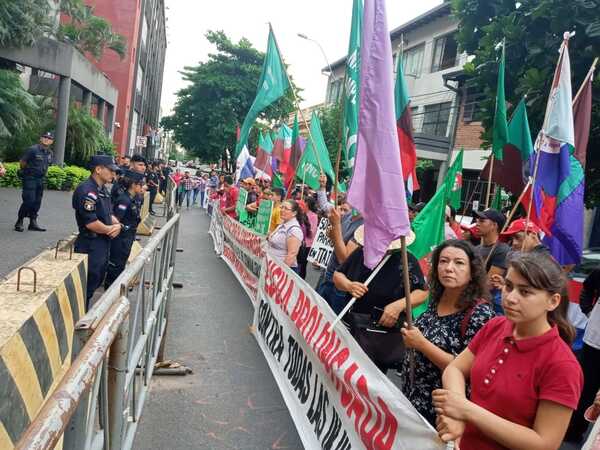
(509,377)
(231,199)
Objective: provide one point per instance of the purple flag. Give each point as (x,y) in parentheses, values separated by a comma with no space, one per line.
(377,188)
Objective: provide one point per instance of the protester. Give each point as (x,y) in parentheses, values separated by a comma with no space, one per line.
(375,319)
(308,230)
(34,167)
(198,187)
(286,239)
(97,225)
(449,232)
(187,189)
(278,194)
(525,380)
(589,356)
(230,197)
(492,252)
(126,208)
(457,309)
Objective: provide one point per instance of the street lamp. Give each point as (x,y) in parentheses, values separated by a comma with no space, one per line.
(305,37)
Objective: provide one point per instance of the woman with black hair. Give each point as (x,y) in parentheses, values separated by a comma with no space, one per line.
(457,309)
(126,208)
(525,380)
(286,239)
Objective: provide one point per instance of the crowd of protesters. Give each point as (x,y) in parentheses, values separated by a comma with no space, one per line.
(494,363)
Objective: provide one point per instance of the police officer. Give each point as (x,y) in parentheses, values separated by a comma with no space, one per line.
(96,223)
(126,208)
(153,182)
(34,166)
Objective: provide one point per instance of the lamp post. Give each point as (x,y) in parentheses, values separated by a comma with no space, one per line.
(305,37)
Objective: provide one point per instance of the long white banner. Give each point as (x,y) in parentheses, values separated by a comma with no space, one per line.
(336,396)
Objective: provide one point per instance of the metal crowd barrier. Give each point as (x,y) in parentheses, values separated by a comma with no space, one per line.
(99,401)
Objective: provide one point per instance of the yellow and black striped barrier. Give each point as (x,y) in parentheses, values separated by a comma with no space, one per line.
(146,225)
(37,323)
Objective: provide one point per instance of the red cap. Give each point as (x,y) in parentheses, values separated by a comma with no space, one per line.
(517,226)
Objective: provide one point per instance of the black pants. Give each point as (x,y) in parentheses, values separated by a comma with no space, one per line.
(120,247)
(97,250)
(590,364)
(33,191)
(153,192)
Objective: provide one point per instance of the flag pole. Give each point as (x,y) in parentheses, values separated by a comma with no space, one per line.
(303,180)
(341,136)
(408,306)
(367,282)
(489,186)
(296,103)
(589,74)
(471,197)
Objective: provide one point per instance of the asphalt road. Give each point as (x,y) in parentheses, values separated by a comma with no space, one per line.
(16,248)
(231,401)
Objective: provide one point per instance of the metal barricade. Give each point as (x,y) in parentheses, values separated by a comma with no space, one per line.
(99,401)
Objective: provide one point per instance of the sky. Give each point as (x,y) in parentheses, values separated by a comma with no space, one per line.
(326,21)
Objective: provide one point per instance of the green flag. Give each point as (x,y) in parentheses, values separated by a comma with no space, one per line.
(276,180)
(500,134)
(352,88)
(429,225)
(240,207)
(453,182)
(272,85)
(308,168)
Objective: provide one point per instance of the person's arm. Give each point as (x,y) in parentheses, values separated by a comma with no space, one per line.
(393,310)
(355,288)
(413,338)
(589,292)
(25,159)
(496,277)
(293,247)
(322,201)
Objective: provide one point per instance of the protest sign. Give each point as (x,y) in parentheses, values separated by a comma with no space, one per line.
(263,217)
(216,228)
(206,199)
(322,248)
(335,394)
(240,207)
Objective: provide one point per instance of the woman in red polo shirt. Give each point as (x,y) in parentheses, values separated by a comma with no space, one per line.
(525,380)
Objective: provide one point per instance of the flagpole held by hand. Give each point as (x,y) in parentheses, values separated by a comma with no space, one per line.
(408,307)
(351,302)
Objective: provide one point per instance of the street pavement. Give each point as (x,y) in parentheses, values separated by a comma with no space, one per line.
(16,248)
(231,401)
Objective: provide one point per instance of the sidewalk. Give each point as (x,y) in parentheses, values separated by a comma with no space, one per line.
(231,400)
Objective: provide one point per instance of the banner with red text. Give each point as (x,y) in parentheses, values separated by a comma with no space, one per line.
(336,395)
(216,228)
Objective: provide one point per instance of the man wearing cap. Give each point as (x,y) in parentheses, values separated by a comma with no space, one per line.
(523,237)
(34,166)
(492,251)
(97,225)
(138,164)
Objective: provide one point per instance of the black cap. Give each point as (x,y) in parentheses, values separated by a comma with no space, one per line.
(138,158)
(494,215)
(132,175)
(104,160)
(48,135)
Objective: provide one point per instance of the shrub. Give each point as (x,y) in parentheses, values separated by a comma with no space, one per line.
(10,179)
(55,178)
(73,176)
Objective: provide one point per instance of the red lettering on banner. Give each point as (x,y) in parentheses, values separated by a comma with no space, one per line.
(346,393)
(368,436)
(385,439)
(247,278)
(309,322)
(298,307)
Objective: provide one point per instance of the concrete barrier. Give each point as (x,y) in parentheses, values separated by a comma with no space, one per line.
(37,321)
(146,226)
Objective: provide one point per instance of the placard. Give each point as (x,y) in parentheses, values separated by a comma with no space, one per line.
(322,249)
(240,207)
(263,217)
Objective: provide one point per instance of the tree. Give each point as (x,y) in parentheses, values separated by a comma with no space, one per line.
(219,95)
(533,30)
(17,106)
(23,21)
(331,123)
(85,138)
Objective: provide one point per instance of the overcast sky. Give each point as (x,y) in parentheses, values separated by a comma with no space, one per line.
(327,21)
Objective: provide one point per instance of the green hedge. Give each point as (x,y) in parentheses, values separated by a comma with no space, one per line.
(58,179)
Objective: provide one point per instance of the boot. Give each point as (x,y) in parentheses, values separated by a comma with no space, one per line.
(33,226)
(19,226)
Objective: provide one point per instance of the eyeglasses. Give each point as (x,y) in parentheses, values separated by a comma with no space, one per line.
(287,208)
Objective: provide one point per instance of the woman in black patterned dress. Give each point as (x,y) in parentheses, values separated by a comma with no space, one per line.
(458,308)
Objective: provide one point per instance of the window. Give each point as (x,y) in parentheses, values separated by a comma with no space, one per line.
(417,119)
(144,31)
(435,119)
(335,91)
(472,106)
(413,60)
(445,53)
(133,131)
(139,82)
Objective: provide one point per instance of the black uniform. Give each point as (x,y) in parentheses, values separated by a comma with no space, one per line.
(152,180)
(92,202)
(37,159)
(127,210)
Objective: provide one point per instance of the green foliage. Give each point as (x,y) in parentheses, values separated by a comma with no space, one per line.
(89,33)
(331,123)
(23,21)
(218,98)
(58,178)
(533,31)
(10,178)
(85,137)
(17,106)
(55,178)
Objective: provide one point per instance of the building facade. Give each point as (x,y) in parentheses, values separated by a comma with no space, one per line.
(138,77)
(442,106)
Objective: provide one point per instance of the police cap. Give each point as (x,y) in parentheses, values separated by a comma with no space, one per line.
(48,135)
(104,160)
(136,177)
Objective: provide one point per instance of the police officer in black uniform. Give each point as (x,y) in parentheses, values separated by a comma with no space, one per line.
(97,225)
(34,166)
(153,182)
(126,208)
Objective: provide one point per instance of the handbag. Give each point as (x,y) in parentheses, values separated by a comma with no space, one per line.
(384,346)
